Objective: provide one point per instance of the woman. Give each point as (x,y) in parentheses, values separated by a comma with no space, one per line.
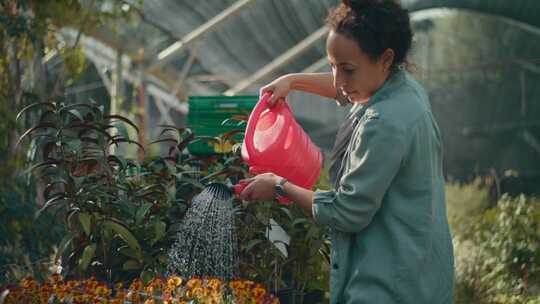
(387,214)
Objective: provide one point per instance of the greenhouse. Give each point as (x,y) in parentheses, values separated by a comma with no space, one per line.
(138,137)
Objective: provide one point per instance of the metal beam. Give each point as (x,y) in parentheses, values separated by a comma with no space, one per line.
(212,24)
(316,66)
(279,62)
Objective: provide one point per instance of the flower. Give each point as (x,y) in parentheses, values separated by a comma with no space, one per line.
(170,290)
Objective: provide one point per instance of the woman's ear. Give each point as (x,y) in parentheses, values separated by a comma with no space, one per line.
(387,59)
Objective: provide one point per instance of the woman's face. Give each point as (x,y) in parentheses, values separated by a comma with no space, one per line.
(355,73)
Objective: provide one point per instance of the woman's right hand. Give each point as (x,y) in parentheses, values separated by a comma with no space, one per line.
(280,88)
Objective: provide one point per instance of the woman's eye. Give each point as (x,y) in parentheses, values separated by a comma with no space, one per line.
(348,71)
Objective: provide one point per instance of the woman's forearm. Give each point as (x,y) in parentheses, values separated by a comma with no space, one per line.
(316,83)
(301,196)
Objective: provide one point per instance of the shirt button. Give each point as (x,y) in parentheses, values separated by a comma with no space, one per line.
(335,266)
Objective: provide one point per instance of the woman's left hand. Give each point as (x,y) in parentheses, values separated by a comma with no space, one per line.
(260,187)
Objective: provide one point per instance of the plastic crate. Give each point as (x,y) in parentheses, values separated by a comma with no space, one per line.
(207,115)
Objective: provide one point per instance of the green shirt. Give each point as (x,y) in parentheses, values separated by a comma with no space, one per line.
(389,230)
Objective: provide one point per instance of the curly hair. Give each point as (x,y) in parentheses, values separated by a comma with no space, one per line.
(376,25)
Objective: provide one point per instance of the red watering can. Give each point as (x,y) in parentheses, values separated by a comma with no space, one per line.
(275,142)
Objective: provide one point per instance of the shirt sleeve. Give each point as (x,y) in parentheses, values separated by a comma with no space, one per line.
(374,162)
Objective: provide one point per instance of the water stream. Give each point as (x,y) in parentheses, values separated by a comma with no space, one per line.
(206,242)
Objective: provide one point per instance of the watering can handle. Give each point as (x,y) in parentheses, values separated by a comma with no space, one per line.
(254,119)
(252,122)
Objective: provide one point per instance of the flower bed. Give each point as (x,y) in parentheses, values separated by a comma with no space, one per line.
(158,290)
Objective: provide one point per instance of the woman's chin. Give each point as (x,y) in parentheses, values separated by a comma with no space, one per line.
(358,99)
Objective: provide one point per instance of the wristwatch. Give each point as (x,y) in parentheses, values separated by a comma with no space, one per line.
(280,191)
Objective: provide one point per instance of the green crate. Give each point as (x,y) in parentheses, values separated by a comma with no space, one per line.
(207,115)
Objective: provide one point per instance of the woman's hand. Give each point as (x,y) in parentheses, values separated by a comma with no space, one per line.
(260,187)
(280,88)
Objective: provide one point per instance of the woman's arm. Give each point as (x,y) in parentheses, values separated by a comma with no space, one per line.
(261,187)
(317,83)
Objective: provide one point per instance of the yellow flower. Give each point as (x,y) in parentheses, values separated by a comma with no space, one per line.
(150,301)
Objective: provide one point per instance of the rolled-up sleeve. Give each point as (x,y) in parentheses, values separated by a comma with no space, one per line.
(374,161)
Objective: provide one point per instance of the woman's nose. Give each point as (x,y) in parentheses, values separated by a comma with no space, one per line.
(338,80)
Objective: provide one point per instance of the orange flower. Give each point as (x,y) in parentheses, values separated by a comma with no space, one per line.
(258,292)
(103,290)
(149,289)
(236,285)
(199,292)
(136,285)
(55,278)
(174,282)
(215,284)
(194,282)
(72,284)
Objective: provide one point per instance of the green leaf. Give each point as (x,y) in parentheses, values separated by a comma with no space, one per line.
(163,258)
(87,256)
(84,218)
(125,234)
(63,245)
(146,276)
(300,221)
(124,119)
(131,265)
(122,131)
(55,200)
(141,212)
(77,114)
(252,244)
(129,252)
(41,126)
(37,104)
(50,163)
(159,229)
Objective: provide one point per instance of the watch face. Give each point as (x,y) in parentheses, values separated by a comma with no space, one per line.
(279,190)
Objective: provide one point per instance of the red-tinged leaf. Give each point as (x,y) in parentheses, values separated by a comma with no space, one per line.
(240,117)
(92,107)
(44,115)
(91,127)
(124,119)
(185,142)
(230,134)
(37,104)
(207,138)
(89,140)
(42,126)
(48,148)
(129,141)
(173,140)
